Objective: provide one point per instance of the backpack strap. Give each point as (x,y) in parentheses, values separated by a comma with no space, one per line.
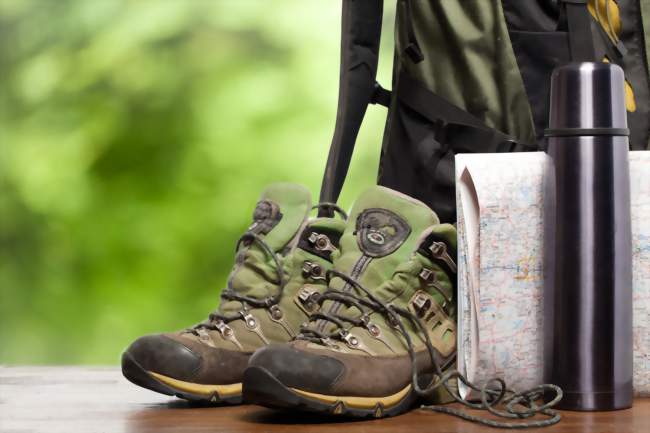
(456,128)
(360,35)
(578,24)
(412,48)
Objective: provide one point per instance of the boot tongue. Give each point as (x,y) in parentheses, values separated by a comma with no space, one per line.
(383,231)
(277,219)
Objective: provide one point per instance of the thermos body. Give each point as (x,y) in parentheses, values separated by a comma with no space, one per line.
(588,240)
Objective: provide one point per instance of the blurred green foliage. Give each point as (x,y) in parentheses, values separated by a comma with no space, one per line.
(135,137)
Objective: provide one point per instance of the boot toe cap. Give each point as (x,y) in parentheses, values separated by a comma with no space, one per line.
(299,369)
(161,354)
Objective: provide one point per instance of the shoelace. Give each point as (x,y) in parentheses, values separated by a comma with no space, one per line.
(490,398)
(229,293)
(333,207)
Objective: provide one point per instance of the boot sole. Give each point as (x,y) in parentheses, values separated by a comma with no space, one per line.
(229,394)
(261,387)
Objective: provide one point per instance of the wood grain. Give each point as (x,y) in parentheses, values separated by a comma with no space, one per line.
(74,399)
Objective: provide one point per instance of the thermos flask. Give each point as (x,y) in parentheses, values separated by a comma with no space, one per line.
(588,239)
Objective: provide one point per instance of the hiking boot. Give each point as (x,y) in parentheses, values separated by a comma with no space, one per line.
(279,271)
(389,307)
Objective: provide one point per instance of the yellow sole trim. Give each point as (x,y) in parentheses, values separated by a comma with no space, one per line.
(199,388)
(357,402)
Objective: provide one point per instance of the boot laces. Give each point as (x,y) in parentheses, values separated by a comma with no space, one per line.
(229,294)
(491,397)
(332,208)
(216,319)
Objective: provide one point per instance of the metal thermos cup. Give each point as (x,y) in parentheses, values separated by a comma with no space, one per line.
(588,239)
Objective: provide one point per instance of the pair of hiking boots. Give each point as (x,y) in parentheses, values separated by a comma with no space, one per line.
(321,314)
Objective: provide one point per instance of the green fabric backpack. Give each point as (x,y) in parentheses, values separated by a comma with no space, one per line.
(474,76)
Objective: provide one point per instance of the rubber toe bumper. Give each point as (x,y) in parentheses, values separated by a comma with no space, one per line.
(298,369)
(163,355)
(161,364)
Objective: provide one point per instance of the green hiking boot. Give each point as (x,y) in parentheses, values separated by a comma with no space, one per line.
(387,316)
(279,269)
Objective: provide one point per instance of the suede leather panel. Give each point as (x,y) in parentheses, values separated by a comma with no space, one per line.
(218,366)
(332,372)
(376,376)
(368,376)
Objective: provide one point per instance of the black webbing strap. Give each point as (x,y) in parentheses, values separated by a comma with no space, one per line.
(412,48)
(360,34)
(578,21)
(380,96)
(457,129)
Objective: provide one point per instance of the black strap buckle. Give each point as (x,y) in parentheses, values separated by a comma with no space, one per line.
(414,52)
(380,95)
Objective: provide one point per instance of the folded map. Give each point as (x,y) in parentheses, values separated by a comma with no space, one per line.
(500,248)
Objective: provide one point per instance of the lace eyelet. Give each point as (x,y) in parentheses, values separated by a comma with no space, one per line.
(422,304)
(308,299)
(350,339)
(438,248)
(321,242)
(276,312)
(249,320)
(313,270)
(427,275)
(374,330)
(224,329)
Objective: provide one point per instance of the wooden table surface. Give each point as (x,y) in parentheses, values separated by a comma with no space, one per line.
(88,400)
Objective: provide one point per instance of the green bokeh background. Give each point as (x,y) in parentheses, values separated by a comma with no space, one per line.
(135,137)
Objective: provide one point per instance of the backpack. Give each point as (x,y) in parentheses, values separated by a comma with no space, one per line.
(474,76)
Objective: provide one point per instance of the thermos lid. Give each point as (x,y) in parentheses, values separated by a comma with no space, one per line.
(587,99)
